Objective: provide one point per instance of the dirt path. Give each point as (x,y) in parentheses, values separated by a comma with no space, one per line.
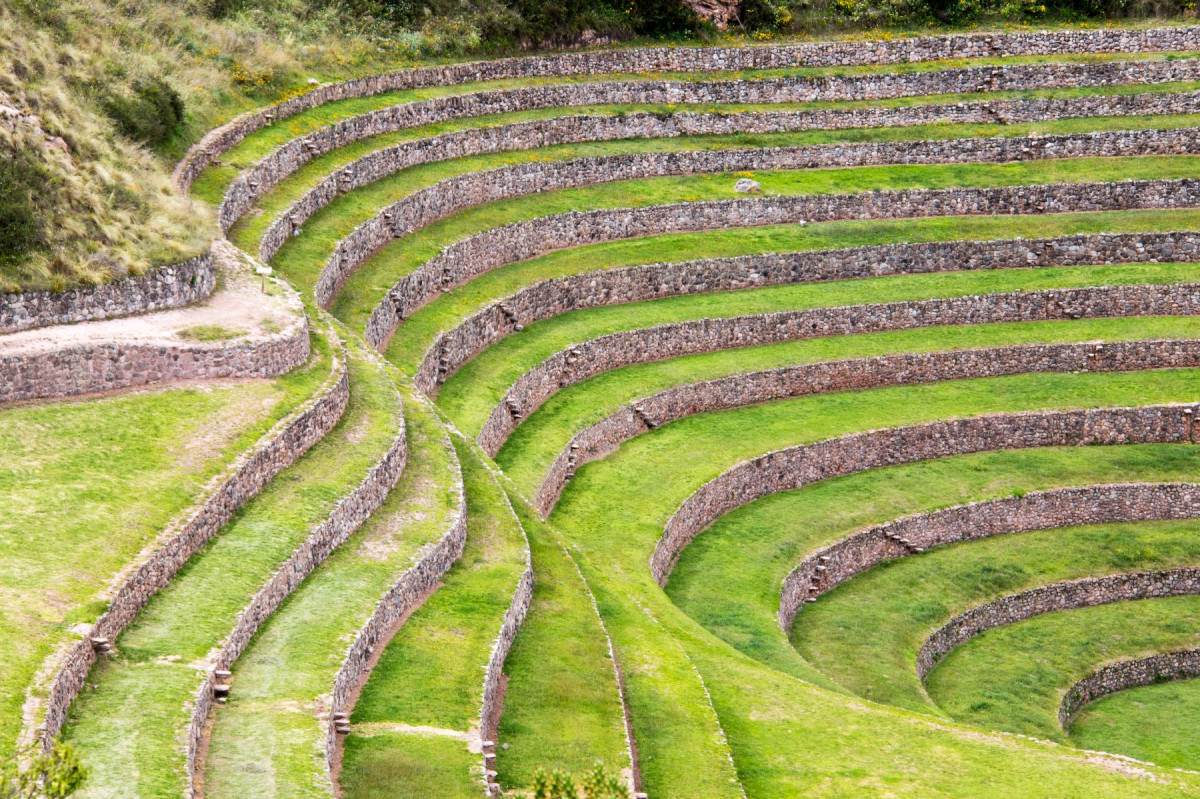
(237,311)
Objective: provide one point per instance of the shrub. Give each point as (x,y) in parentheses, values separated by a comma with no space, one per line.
(148,112)
(595,784)
(49,775)
(764,15)
(20,231)
(664,18)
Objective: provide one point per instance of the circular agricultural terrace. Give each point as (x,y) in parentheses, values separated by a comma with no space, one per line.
(544,445)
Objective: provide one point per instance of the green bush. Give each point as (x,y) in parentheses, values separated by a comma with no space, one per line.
(595,784)
(148,112)
(20,231)
(56,774)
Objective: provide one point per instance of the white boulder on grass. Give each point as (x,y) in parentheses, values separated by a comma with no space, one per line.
(747,186)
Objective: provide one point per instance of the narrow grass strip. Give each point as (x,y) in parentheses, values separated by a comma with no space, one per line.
(422,328)
(429,680)
(866,632)
(68,519)
(1012,678)
(1149,723)
(471,393)
(262,744)
(401,257)
(562,703)
(140,692)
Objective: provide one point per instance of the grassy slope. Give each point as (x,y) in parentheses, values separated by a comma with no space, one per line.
(614,511)
(263,740)
(729,579)
(1012,678)
(431,673)
(68,518)
(140,693)
(542,436)
(866,633)
(562,708)
(1151,723)
(248,232)
(601,515)
(369,284)
(260,143)
(636,630)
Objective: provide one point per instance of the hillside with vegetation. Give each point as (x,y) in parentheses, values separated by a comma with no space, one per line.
(654,399)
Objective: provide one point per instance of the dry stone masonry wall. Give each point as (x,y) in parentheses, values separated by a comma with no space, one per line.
(1184,665)
(452,195)
(1085,593)
(492,704)
(602,438)
(816,54)
(798,466)
(549,298)
(107,367)
(277,450)
(830,566)
(285,160)
(405,596)
(347,516)
(475,255)
(583,361)
(159,289)
(498,183)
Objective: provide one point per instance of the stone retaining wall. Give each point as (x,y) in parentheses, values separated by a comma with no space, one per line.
(548,298)
(1184,665)
(602,438)
(160,288)
(511,181)
(1084,593)
(588,359)
(406,595)
(814,54)
(830,566)
(346,517)
(475,255)
(798,466)
(107,367)
(244,479)
(493,690)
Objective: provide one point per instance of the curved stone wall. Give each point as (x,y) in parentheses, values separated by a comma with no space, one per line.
(814,54)
(1084,593)
(798,466)
(160,288)
(475,255)
(492,704)
(244,479)
(602,438)
(109,367)
(831,565)
(645,345)
(497,184)
(285,160)
(1184,665)
(405,596)
(347,516)
(548,298)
